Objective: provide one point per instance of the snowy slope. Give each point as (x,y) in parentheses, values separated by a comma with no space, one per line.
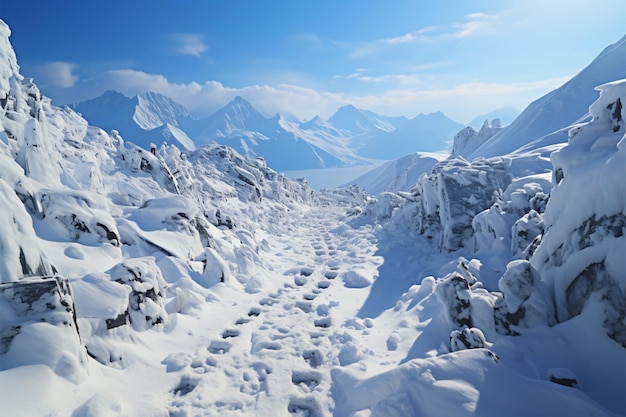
(399,175)
(536,294)
(559,108)
(184,283)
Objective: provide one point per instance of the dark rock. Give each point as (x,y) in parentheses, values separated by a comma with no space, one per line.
(467,338)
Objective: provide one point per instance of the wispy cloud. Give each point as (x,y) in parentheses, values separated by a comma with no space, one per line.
(306,38)
(361,74)
(189,44)
(58,74)
(471,24)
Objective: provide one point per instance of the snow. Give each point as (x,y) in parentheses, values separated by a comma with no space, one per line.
(399,175)
(183,282)
(332,177)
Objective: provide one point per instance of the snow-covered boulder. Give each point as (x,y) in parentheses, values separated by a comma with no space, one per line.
(464,190)
(79,216)
(146,300)
(467,338)
(21,254)
(582,251)
(526,233)
(38,327)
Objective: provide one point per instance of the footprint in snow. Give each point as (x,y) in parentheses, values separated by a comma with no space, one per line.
(185,386)
(306,272)
(268,301)
(304,306)
(260,345)
(228,333)
(307,380)
(306,406)
(323,284)
(330,274)
(323,322)
(219,347)
(254,312)
(313,357)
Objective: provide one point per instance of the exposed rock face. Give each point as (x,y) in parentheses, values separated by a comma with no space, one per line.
(455,192)
(41,305)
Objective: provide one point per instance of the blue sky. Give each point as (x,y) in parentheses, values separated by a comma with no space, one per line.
(309,57)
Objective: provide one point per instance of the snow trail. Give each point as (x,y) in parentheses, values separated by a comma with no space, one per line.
(280,354)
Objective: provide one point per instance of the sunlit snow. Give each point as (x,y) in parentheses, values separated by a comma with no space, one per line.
(182,281)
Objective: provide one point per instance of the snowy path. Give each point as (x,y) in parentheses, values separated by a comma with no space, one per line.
(278,351)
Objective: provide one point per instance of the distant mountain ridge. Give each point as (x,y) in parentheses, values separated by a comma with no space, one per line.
(351,136)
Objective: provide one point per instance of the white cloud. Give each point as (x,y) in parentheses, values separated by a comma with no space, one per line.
(58,74)
(189,44)
(402,79)
(472,24)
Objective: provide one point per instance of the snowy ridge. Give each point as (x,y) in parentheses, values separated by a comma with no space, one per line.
(399,175)
(154,110)
(559,108)
(168,282)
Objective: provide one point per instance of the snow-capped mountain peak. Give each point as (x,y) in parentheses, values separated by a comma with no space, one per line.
(154,110)
(238,115)
(356,120)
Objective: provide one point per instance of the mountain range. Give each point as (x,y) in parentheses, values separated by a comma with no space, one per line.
(351,136)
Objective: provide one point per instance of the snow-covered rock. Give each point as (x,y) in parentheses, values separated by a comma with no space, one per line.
(581,252)
(467,140)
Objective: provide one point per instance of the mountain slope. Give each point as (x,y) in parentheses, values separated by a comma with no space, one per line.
(143,119)
(560,107)
(399,175)
(283,145)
